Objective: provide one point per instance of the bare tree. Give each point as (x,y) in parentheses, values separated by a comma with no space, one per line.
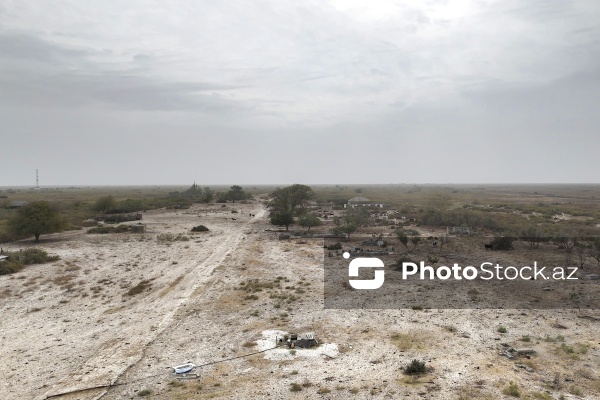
(594,250)
(581,252)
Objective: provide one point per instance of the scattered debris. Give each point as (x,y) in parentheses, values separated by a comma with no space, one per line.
(510,352)
(525,367)
(184,368)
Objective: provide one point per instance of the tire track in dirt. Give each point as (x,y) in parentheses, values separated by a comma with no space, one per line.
(118,355)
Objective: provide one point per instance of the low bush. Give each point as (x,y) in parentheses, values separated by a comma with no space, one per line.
(199,228)
(512,390)
(139,288)
(337,246)
(415,367)
(18,259)
(170,237)
(295,387)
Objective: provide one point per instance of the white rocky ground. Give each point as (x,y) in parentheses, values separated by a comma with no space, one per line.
(71,325)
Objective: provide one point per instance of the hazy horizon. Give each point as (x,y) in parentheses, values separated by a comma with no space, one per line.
(364,185)
(349,91)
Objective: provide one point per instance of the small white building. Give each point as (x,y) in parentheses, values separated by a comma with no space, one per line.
(361,202)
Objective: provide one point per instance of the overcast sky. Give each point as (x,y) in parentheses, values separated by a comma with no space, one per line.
(287,91)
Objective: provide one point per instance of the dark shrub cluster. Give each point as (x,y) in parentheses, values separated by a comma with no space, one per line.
(199,228)
(18,259)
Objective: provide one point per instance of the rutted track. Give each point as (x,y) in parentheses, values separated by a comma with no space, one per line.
(115,357)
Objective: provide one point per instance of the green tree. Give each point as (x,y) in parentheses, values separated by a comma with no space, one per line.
(236,193)
(404,238)
(207,195)
(345,227)
(358,216)
(193,190)
(309,220)
(293,199)
(36,218)
(283,218)
(104,204)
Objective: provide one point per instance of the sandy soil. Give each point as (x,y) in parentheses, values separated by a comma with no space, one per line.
(73,325)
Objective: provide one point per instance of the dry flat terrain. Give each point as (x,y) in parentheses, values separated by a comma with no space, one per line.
(121,309)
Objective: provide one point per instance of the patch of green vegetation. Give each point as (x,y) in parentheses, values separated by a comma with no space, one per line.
(512,390)
(407,341)
(17,260)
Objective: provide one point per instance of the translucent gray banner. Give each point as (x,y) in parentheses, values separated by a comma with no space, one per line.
(460,273)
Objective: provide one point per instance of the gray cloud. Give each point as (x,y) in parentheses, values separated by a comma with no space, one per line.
(276,91)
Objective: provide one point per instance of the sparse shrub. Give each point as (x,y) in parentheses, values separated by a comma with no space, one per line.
(354,390)
(18,259)
(139,288)
(323,390)
(415,367)
(432,259)
(165,237)
(541,396)
(10,267)
(403,259)
(512,390)
(170,237)
(199,228)
(525,338)
(295,387)
(144,392)
(336,246)
(502,329)
(575,390)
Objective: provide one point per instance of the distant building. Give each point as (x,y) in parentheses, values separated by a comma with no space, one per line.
(361,202)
